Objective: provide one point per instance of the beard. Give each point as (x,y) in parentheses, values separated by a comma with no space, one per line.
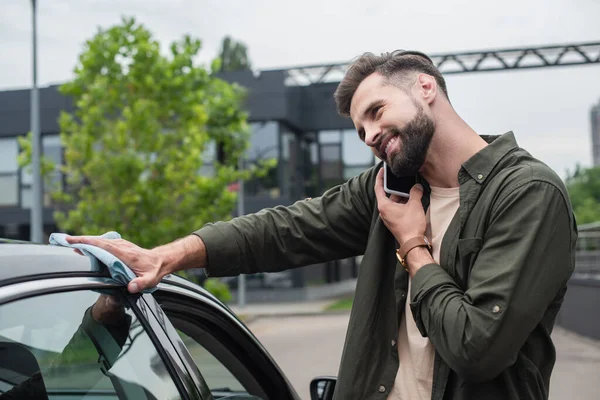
(414,139)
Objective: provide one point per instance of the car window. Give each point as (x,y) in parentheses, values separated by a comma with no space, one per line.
(80,344)
(231,365)
(216,375)
(216,363)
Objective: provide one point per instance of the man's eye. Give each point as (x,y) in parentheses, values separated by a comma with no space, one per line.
(376,112)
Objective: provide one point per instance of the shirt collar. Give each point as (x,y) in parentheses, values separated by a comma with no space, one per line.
(481,164)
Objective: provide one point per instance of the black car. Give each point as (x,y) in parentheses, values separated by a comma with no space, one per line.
(70,332)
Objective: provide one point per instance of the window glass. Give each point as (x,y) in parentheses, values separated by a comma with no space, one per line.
(52,149)
(225,374)
(209,155)
(26,196)
(329,136)
(78,345)
(8,155)
(289,164)
(263,141)
(355,152)
(9,192)
(352,171)
(215,374)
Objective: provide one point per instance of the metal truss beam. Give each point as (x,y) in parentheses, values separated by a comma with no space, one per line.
(469,62)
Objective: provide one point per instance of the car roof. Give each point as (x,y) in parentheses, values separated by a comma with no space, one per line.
(21,260)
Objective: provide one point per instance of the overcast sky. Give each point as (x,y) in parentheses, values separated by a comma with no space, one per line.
(548,109)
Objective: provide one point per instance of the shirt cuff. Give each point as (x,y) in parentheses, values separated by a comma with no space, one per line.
(222,250)
(426,279)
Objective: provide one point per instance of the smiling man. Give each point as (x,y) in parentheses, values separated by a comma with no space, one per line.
(459,287)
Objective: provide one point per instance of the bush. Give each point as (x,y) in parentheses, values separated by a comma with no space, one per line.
(218,289)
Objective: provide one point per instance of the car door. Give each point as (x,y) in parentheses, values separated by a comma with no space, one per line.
(73,338)
(231,361)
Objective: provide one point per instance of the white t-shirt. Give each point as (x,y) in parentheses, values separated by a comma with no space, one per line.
(414,379)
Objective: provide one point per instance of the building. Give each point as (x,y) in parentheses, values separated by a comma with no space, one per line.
(296,124)
(595,120)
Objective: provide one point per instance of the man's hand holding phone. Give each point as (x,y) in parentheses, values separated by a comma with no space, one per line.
(396,185)
(404,220)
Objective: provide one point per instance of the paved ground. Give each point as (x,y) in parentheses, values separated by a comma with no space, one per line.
(304,347)
(577,370)
(311,344)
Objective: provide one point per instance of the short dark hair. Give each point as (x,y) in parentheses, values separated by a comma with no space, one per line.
(391,66)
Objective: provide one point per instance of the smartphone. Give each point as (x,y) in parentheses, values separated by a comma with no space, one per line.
(393,184)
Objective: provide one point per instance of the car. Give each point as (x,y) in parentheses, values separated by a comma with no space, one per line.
(68,330)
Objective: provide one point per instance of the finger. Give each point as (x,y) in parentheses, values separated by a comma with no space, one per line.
(416,194)
(109,245)
(140,283)
(398,199)
(80,239)
(379,192)
(78,252)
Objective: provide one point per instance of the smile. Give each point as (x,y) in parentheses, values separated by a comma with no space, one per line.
(389,145)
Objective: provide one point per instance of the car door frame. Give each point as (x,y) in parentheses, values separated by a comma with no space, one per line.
(175,366)
(199,305)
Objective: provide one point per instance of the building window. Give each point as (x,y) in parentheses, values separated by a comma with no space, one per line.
(209,156)
(343,155)
(9,170)
(51,148)
(264,141)
(289,164)
(356,155)
(264,145)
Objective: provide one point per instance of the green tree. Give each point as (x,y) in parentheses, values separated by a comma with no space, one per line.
(584,190)
(233,55)
(144,126)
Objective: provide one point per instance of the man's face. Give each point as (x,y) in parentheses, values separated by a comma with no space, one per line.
(393,124)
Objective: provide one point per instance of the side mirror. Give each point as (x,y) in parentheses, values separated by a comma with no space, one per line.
(322,388)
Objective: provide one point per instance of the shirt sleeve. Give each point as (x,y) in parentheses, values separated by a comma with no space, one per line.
(333,226)
(525,260)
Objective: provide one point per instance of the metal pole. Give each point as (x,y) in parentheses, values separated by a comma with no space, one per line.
(241,277)
(36,226)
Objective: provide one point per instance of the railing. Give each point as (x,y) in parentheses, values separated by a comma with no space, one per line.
(469,61)
(587,256)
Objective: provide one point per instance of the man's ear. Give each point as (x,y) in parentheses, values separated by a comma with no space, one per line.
(427,86)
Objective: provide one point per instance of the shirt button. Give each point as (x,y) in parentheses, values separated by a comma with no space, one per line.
(393,342)
(480,176)
(496,309)
(381,389)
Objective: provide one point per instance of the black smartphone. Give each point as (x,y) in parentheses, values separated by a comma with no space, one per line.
(393,184)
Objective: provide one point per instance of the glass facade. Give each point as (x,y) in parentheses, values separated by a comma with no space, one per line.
(264,145)
(307,163)
(342,155)
(9,172)
(52,149)
(209,155)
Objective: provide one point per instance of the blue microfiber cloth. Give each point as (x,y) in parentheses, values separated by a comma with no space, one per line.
(117,268)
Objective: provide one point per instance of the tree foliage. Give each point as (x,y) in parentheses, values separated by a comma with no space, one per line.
(584,190)
(233,55)
(144,127)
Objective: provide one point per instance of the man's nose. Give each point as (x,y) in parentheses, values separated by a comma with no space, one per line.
(372,135)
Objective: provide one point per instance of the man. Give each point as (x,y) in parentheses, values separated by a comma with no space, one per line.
(482,300)
(104,329)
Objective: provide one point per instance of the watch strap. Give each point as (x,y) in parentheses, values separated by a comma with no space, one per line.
(406,247)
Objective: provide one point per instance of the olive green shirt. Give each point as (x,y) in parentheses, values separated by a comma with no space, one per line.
(488,308)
